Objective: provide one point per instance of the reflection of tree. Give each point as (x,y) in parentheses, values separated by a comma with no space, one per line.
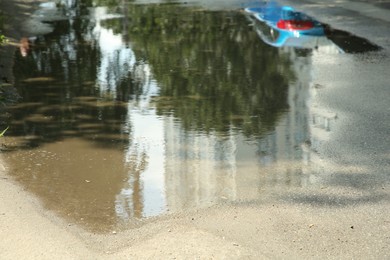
(61,99)
(213,74)
(60,95)
(213,71)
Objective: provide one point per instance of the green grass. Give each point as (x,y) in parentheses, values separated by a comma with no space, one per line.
(3,39)
(3,132)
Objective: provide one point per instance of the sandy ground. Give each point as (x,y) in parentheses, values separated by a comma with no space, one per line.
(242,231)
(347,216)
(278,229)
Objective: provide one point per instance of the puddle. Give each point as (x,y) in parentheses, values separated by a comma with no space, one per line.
(132,111)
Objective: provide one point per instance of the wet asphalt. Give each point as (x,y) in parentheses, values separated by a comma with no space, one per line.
(357,90)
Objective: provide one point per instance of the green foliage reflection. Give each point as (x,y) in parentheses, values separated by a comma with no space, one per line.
(3,39)
(214,72)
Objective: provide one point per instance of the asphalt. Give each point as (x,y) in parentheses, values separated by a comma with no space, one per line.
(369,19)
(356,89)
(347,218)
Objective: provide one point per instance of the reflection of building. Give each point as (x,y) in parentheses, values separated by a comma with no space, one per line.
(201,169)
(282,148)
(290,150)
(171,167)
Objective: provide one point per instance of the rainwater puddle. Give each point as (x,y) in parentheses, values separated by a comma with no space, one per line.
(132,111)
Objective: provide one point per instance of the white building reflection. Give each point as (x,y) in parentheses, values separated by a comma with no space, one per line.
(200,169)
(173,169)
(170,168)
(204,169)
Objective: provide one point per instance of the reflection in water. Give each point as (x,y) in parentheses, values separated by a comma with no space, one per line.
(283,26)
(148,108)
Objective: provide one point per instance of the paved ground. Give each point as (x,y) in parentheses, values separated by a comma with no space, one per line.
(347,217)
(364,18)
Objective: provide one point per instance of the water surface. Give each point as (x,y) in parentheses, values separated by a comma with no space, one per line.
(132,110)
